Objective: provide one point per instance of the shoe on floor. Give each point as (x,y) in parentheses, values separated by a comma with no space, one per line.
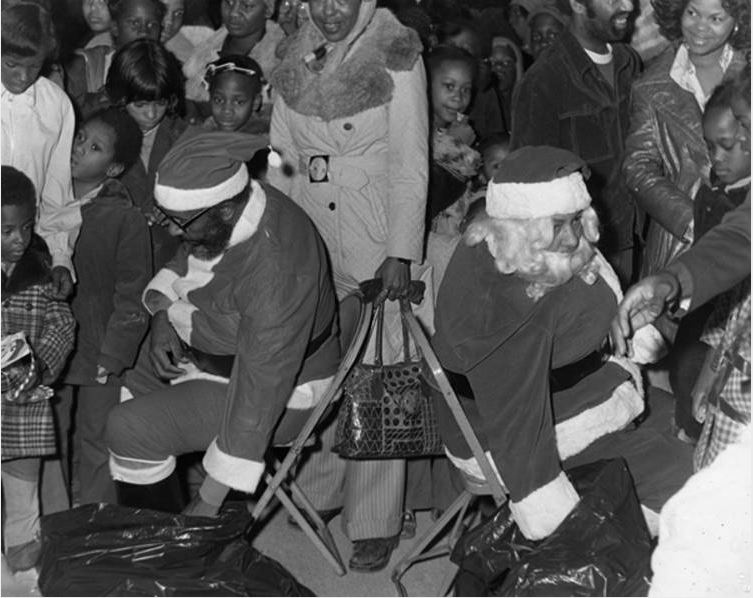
(23,556)
(409,525)
(373,554)
(327,515)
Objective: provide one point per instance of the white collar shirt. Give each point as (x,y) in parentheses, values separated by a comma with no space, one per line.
(37,138)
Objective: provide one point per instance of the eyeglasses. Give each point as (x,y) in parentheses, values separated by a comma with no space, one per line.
(228,67)
(180,223)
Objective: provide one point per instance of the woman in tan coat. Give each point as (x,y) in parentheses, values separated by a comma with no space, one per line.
(351,121)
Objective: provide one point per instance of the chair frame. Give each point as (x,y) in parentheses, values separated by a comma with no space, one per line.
(281,485)
(460,506)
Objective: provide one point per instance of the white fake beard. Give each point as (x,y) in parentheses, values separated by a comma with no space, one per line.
(560,268)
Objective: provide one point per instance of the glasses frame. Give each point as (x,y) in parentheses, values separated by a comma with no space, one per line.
(183,225)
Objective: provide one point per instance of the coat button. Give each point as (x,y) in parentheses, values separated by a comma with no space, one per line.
(348,126)
(29,307)
(331,206)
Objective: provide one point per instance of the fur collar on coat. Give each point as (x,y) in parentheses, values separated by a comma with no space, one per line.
(360,82)
(32,269)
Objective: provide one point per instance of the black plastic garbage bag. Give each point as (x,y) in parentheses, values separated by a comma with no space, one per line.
(602,548)
(109,550)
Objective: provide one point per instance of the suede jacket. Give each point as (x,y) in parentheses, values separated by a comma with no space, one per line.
(564,101)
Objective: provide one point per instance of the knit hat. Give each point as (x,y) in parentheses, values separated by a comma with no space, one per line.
(534,182)
(205,168)
(551,8)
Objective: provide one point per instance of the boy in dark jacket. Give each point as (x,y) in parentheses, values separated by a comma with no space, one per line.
(113,260)
(29,307)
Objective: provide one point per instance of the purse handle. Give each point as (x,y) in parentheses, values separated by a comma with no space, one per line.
(378,354)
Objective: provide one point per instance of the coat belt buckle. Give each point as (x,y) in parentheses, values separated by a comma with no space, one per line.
(318,169)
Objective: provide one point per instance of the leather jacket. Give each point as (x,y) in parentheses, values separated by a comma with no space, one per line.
(666,159)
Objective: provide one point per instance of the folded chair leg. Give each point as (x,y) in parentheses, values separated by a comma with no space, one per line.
(416,553)
(322,538)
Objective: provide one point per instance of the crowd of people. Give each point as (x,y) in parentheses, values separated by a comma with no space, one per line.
(185,204)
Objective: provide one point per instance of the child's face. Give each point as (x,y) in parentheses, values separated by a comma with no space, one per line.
(96,15)
(147,114)
(234,99)
(173,21)
(493,157)
(138,19)
(17,227)
(93,152)
(18,73)
(504,63)
(728,157)
(244,17)
(544,30)
(451,91)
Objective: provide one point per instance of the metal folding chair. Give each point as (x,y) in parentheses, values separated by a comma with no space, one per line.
(472,489)
(353,333)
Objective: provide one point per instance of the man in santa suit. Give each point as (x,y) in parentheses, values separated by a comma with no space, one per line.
(523,317)
(243,325)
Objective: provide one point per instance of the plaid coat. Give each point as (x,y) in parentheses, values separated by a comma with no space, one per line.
(28,429)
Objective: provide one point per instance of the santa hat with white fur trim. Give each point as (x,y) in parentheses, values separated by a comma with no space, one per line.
(538,181)
(205,168)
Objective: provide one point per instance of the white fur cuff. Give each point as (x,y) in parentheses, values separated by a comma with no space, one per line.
(576,433)
(542,511)
(140,471)
(235,472)
(161,283)
(648,345)
(564,195)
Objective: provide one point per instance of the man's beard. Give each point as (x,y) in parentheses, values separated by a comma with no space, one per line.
(607,32)
(214,241)
(559,268)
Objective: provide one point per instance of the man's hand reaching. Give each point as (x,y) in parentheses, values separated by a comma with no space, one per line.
(643,303)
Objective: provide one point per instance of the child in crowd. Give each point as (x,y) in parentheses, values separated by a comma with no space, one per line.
(235,85)
(485,111)
(146,79)
(131,19)
(247,29)
(494,149)
(28,428)
(700,330)
(454,163)
(506,63)
(729,161)
(98,19)
(37,131)
(113,260)
(545,23)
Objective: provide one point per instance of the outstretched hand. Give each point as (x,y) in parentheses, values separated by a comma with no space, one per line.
(643,303)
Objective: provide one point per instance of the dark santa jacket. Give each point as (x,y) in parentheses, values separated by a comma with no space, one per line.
(269,301)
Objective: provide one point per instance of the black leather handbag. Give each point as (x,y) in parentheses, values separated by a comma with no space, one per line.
(387,411)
